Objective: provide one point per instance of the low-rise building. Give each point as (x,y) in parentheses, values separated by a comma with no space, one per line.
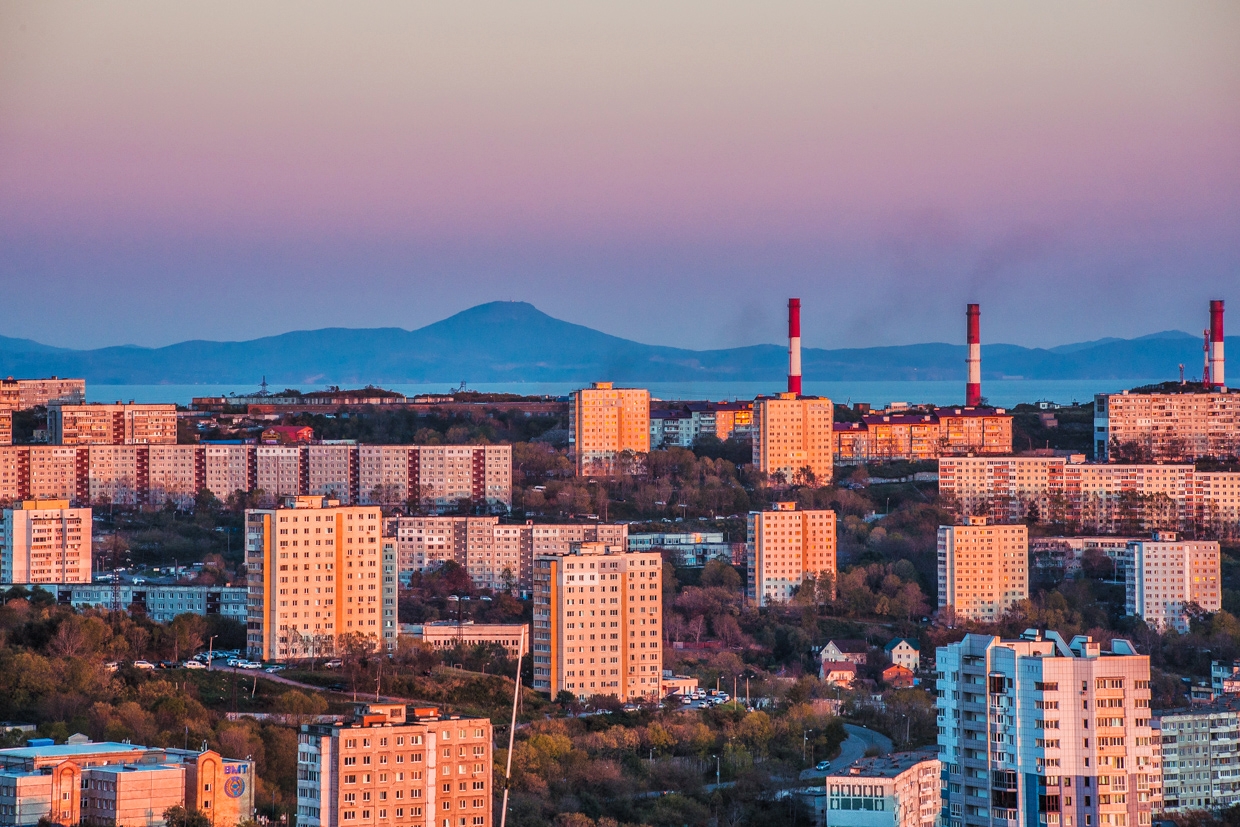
(385,767)
(1063,556)
(839,672)
(678,684)
(449,634)
(111,784)
(904,652)
(897,790)
(849,649)
(689,550)
(1201,757)
(160,602)
(1225,677)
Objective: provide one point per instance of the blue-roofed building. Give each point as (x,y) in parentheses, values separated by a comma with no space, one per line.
(904,652)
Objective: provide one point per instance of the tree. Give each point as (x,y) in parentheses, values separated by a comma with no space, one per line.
(178,816)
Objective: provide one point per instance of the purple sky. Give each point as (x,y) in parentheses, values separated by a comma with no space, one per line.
(668,172)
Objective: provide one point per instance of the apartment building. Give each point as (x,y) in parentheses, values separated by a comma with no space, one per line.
(787,546)
(691,550)
(1092,497)
(1201,757)
(897,790)
(135,474)
(24,394)
(6,427)
(1040,731)
(496,556)
(922,435)
(1166,427)
(160,602)
(1062,557)
(110,784)
(683,424)
(450,634)
(45,541)
(338,549)
(387,767)
(598,623)
(118,424)
(983,568)
(1166,576)
(792,437)
(604,423)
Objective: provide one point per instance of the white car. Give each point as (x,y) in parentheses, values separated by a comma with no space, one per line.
(249,664)
(111,666)
(193,664)
(233,662)
(143,664)
(686,700)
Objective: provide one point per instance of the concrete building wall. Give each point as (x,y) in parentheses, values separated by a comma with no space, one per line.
(791,434)
(604,422)
(983,568)
(785,547)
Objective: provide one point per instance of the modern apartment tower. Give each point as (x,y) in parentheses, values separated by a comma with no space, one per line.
(604,423)
(983,568)
(787,546)
(598,622)
(1036,731)
(317,571)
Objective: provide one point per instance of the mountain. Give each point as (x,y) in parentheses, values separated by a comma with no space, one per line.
(516,342)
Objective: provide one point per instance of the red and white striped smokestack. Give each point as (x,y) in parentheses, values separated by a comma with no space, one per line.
(794,346)
(973,390)
(1216,345)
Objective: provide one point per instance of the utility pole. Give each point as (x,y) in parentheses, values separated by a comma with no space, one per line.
(512,732)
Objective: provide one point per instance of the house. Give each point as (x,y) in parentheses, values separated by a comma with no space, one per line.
(287,435)
(904,652)
(839,672)
(849,650)
(898,677)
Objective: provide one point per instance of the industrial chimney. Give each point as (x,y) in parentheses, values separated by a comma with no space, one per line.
(1217,377)
(973,390)
(794,346)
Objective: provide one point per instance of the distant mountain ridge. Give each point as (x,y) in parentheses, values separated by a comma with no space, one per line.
(516,342)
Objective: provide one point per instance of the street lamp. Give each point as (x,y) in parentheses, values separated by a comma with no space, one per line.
(211,651)
(804,741)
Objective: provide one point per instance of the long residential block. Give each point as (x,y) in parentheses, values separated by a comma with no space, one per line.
(436,477)
(1093,497)
(1166,427)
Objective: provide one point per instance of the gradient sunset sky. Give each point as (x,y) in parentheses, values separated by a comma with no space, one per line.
(667,172)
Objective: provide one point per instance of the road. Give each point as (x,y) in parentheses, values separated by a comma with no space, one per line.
(362,694)
(859,740)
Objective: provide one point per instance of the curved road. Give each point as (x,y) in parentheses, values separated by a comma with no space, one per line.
(859,740)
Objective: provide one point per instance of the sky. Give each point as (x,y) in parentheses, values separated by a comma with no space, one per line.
(668,172)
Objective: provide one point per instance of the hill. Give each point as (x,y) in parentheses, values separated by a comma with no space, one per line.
(516,342)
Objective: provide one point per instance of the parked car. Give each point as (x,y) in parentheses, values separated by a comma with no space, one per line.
(275,667)
(111,666)
(193,664)
(249,664)
(233,662)
(167,664)
(823,766)
(333,664)
(143,664)
(687,699)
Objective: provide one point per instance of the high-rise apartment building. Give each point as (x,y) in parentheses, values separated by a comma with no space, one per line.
(23,394)
(383,768)
(1166,427)
(792,439)
(6,427)
(604,423)
(1167,576)
(1201,757)
(1039,731)
(119,424)
(598,622)
(317,571)
(983,568)
(45,541)
(786,547)
(897,790)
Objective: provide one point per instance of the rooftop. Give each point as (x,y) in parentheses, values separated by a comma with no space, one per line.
(70,750)
(886,766)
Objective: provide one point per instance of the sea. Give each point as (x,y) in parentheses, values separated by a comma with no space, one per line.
(998,392)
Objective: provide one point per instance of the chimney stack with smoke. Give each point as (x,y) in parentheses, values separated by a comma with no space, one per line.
(973,390)
(794,346)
